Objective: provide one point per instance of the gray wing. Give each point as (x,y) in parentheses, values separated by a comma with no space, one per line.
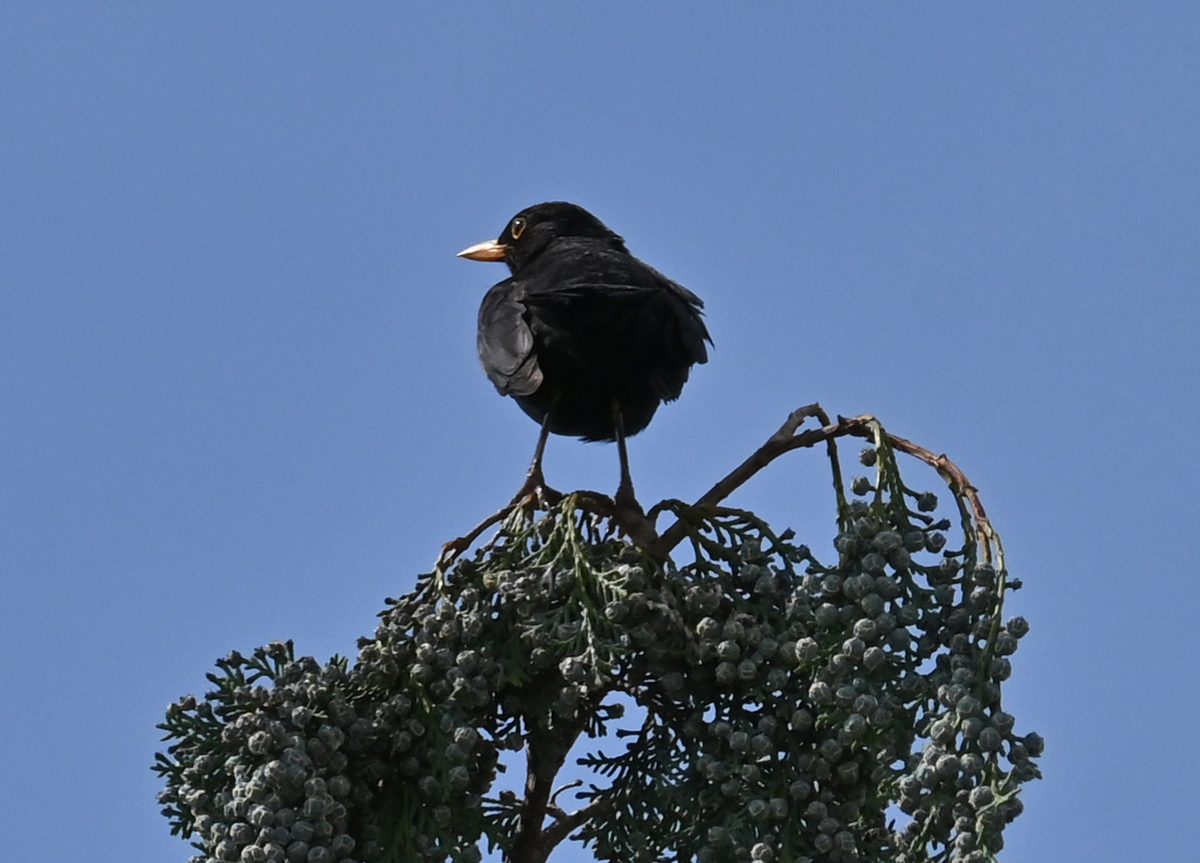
(505,342)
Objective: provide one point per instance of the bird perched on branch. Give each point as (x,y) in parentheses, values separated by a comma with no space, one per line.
(586,338)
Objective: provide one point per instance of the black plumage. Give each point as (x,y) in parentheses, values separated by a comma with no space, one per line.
(586,338)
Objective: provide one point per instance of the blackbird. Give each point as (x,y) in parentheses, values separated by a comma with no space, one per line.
(586,338)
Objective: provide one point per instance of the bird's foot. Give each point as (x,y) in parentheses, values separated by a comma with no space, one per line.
(625,499)
(631,518)
(535,492)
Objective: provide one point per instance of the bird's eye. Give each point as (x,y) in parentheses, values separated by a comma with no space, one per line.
(518,228)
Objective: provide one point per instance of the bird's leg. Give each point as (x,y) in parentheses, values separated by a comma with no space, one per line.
(535,468)
(535,481)
(625,498)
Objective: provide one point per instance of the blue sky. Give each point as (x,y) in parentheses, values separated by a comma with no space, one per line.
(241,400)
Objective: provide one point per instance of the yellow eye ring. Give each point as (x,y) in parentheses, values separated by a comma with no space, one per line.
(517,229)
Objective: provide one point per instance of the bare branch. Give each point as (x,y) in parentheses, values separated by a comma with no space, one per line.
(553,807)
(565,823)
(958,482)
(783,441)
(451,550)
(787,438)
(545,752)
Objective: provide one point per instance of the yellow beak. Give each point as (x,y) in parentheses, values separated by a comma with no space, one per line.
(491,250)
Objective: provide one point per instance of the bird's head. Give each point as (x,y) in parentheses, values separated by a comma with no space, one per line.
(533,229)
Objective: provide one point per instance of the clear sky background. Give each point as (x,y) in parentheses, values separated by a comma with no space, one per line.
(240,398)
